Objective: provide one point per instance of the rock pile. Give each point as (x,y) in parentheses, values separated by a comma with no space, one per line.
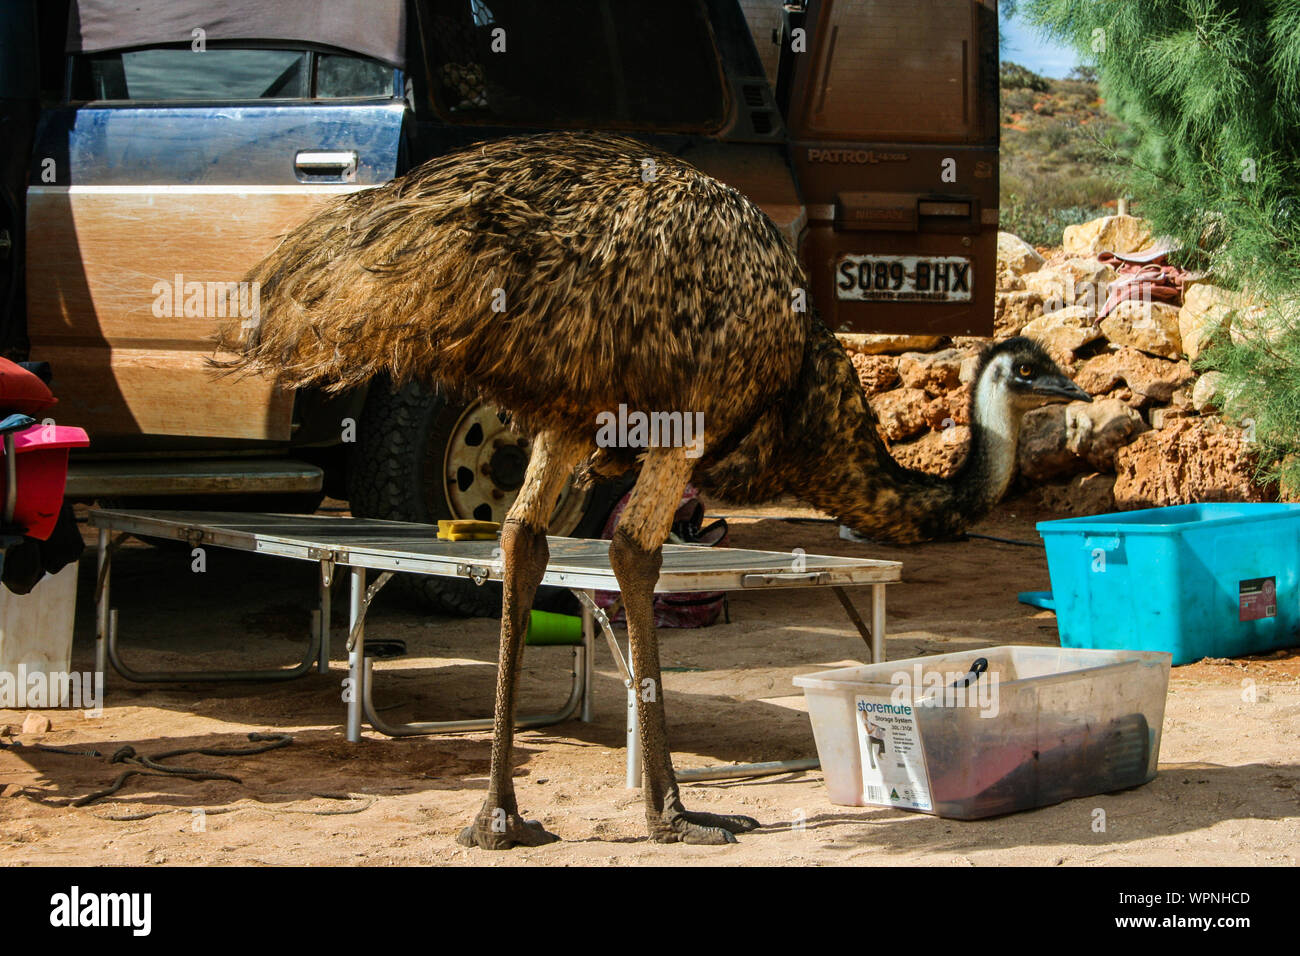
(1150,437)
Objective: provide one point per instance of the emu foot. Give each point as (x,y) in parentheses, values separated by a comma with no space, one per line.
(498,830)
(706,829)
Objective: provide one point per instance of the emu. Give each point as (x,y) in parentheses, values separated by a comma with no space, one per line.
(561,276)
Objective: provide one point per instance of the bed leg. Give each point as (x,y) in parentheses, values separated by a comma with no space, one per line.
(357,653)
(878,655)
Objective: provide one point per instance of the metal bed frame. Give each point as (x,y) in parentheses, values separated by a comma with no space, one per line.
(389,547)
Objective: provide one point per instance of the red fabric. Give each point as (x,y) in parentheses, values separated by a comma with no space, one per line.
(1147,277)
(21,391)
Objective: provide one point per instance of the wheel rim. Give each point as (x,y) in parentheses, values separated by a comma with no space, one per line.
(483,464)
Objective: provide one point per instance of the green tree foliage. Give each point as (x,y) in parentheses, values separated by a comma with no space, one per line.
(1211,92)
(1017,77)
(1058,155)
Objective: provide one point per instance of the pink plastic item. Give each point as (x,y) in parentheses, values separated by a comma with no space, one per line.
(42,468)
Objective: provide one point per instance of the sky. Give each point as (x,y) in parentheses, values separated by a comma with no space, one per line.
(1022,44)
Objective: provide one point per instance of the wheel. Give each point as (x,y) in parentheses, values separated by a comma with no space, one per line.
(420,457)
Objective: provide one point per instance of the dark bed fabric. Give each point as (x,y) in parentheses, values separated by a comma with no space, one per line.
(374,28)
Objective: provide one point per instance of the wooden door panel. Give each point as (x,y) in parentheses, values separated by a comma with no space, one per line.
(102,277)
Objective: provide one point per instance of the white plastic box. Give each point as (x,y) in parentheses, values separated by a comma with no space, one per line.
(36,628)
(1040,725)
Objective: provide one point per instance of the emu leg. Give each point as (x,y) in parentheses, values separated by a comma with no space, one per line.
(498,825)
(636,565)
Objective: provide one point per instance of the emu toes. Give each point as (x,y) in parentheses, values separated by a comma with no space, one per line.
(701,829)
(488,833)
(703,836)
(731,822)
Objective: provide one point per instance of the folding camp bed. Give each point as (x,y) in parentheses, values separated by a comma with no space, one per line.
(390,547)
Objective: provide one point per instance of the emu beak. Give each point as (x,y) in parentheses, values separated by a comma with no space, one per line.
(1058,388)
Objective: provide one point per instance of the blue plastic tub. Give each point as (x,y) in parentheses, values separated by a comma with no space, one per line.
(1207,580)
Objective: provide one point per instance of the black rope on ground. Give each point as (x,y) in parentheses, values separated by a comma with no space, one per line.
(46,748)
(152,765)
(991,537)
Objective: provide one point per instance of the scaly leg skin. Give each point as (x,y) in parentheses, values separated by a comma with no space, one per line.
(498,825)
(637,569)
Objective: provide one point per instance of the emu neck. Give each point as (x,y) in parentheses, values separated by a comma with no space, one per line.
(850,474)
(995,439)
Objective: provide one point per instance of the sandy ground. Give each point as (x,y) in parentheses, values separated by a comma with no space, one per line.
(1228,791)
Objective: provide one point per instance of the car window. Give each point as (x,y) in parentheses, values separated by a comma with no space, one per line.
(915,56)
(579,63)
(170,73)
(338,75)
(183,74)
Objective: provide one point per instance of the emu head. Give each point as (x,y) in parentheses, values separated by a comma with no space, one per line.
(1022,370)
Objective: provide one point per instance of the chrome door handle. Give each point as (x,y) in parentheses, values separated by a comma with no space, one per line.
(323,162)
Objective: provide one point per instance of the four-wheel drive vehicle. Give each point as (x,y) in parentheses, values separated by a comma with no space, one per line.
(156,149)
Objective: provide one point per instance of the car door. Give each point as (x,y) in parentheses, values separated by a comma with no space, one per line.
(893,124)
(172,169)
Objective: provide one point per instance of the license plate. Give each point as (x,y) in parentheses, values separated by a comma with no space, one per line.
(903,278)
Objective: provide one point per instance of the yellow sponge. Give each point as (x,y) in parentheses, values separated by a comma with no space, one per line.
(464,530)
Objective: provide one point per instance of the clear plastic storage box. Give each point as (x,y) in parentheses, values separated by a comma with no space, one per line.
(1036,726)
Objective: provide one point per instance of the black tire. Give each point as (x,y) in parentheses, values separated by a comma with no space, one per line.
(396,471)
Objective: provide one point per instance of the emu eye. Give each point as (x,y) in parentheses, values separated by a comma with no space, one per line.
(1025,371)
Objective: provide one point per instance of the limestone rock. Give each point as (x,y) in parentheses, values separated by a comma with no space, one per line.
(1089,494)
(1125,395)
(1206,314)
(1162,416)
(935,372)
(1016,258)
(1149,326)
(1013,310)
(1072,282)
(1189,460)
(1096,431)
(888,344)
(1152,380)
(1107,234)
(950,408)
(1056,290)
(1206,391)
(1044,452)
(1255,321)
(1090,280)
(1100,374)
(877,373)
(36,724)
(938,452)
(900,412)
(1063,332)
(971,343)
